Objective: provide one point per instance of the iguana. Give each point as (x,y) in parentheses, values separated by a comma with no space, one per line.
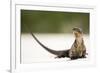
(77,50)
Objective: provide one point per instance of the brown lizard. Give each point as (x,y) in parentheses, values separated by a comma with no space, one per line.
(77,50)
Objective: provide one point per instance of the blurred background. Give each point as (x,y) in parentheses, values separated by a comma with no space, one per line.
(53,29)
(53,22)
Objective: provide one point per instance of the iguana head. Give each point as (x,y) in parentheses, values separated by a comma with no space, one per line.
(77,32)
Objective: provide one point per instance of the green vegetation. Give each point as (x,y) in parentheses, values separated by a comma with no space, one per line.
(53,22)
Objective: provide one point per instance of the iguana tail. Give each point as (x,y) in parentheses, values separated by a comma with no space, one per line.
(46,48)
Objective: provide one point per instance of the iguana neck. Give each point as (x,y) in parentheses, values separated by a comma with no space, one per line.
(79,40)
